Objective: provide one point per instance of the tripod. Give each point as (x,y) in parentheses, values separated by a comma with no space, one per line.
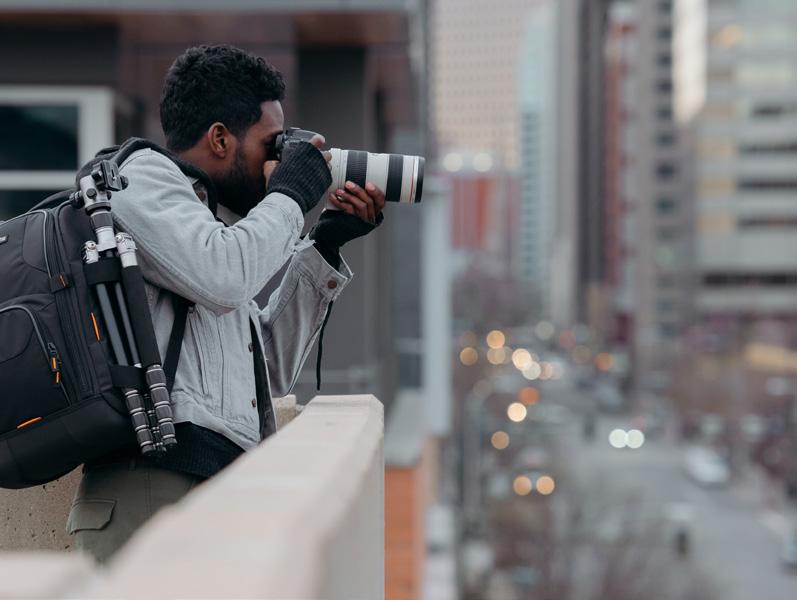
(112,269)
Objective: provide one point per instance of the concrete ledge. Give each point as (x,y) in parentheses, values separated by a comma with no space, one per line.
(25,575)
(35,518)
(301,517)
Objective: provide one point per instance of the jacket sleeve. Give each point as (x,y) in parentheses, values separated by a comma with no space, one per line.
(184,249)
(291,321)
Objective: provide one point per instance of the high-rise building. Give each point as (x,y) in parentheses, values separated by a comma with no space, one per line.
(475,66)
(645,214)
(746,160)
(577,286)
(538,143)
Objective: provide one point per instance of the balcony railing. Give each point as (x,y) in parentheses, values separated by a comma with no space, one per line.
(301,516)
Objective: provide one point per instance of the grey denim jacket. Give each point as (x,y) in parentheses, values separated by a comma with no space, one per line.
(184,250)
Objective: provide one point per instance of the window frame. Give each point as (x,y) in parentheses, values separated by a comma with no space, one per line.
(95,106)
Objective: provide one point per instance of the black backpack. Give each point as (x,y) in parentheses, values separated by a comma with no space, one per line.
(60,402)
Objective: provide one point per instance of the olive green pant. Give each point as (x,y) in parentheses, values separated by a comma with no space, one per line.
(114,500)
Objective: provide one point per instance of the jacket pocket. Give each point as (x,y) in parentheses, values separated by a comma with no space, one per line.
(199,343)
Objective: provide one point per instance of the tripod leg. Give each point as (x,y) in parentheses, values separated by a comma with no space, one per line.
(133,282)
(131,339)
(133,399)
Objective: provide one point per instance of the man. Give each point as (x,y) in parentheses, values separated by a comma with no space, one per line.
(221,112)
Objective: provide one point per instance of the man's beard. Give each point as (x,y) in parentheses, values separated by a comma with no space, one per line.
(237,191)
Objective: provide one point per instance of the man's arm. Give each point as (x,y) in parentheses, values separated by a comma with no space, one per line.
(295,313)
(184,249)
(316,276)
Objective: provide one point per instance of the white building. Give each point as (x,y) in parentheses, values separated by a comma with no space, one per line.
(747,161)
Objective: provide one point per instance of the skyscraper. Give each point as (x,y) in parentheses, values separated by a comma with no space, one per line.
(538,144)
(747,159)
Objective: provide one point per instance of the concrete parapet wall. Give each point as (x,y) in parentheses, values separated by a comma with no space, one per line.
(35,518)
(300,517)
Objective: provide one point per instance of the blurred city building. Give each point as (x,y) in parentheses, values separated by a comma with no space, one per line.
(647,215)
(747,154)
(539,142)
(474,71)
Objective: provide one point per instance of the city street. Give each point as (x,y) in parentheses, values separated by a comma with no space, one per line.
(736,533)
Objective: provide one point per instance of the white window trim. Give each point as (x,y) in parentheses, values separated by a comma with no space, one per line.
(95,128)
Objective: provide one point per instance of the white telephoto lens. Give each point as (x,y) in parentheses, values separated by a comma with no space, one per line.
(399,177)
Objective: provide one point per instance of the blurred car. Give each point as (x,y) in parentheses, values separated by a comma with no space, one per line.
(706,467)
(788,554)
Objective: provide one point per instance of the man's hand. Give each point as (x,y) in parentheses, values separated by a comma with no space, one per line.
(365,203)
(317,140)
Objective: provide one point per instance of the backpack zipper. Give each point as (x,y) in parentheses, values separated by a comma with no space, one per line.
(68,315)
(48,349)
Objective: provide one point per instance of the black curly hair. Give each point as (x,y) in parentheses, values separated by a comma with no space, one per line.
(215,83)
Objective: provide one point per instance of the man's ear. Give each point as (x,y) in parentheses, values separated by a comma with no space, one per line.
(219,140)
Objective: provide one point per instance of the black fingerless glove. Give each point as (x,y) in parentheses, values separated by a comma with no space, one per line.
(335,228)
(302,175)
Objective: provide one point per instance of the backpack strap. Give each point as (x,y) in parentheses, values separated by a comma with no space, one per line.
(181,308)
(118,154)
(53,200)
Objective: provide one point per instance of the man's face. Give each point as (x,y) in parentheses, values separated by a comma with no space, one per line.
(243,185)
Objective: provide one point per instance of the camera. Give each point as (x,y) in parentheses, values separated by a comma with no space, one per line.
(400,177)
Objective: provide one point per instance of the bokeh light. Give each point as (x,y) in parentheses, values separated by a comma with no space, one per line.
(604,361)
(546,371)
(529,395)
(567,339)
(516,412)
(544,330)
(582,354)
(546,485)
(496,356)
(521,358)
(500,440)
(482,162)
(469,356)
(522,485)
(453,162)
(618,438)
(532,372)
(635,439)
(496,339)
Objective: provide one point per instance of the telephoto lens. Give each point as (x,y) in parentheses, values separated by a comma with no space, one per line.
(400,177)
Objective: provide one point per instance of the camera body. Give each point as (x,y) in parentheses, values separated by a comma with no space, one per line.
(400,177)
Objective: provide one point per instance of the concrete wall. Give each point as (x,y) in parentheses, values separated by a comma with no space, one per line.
(300,517)
(35,518)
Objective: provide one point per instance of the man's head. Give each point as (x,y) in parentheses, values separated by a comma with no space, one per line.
(220,110)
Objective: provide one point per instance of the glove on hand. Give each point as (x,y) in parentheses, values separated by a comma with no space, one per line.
(303,175)
(335,228)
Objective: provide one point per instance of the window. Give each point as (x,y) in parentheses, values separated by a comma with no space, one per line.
(771,148)
(664,59)
(772,110)
(664,33)
(665,206)
(668,330)
(665,139)
(666,170)
(666,234)
(664,113)
(768,223)
(664,86)
(771,185)
(55,130)
(749,279)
